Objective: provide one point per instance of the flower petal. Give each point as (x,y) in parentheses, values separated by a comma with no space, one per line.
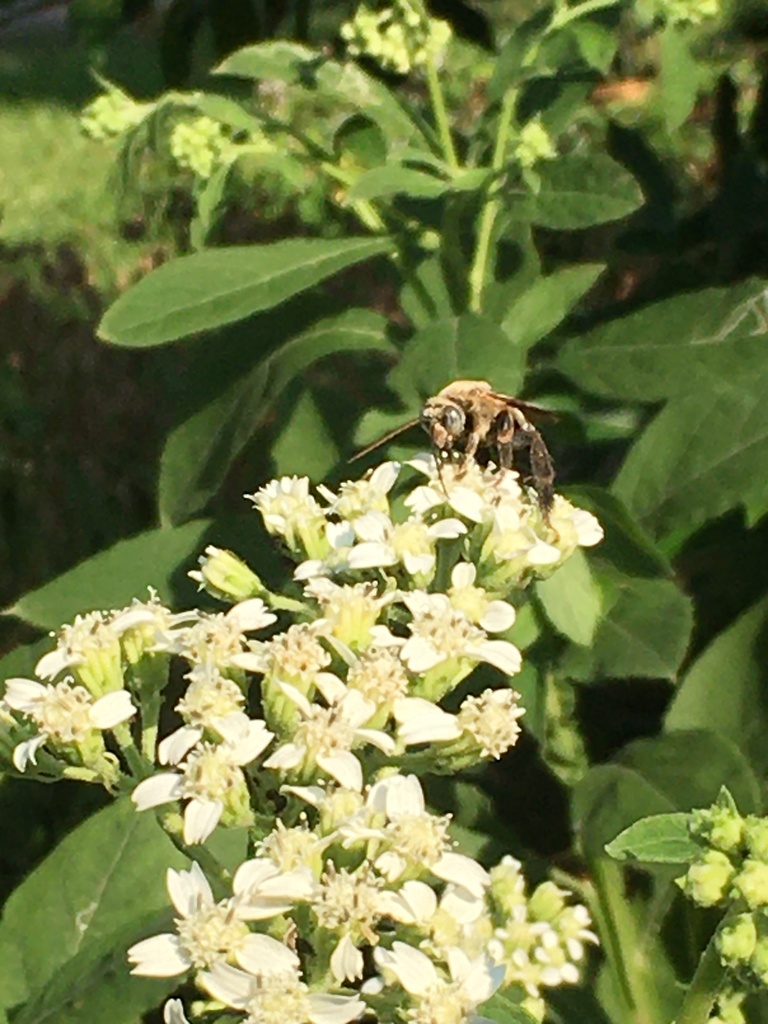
(261,954)
(175,747)
(156,790)
(111,709)
(189,890)
(200,819)
(162,956)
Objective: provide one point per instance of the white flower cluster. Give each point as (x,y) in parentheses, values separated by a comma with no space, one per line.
(399,38)
(303,718)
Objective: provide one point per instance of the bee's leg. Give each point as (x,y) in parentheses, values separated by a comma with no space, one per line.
(542,468)
(504,436)
(470,450)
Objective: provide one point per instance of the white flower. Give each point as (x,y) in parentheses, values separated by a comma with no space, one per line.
(64,714)
(219,640)
(90,648)
(207,933)
(491,720)
(339,539)
(472,982)
(325,736)
(295,656)
(211,780)
(414,838)
(491,615)
(264,890)
(348,612)
(173,1012)
(512,540)
(412,543)
(574,526)
(350,904)
(211,702)
(440,632)
(422,721)
(289,511)
(272,996)
(379,675)
(470,490)
(358,496)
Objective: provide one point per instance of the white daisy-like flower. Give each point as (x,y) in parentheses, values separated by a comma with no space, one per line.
(414,838)
(350,904)
(356,497)
(512,540)
(440,632)
(298,848)
(295,656)
(264,889)
(491,615)
(272,996)
(472,982)
(210,703)
(325,736)
(470,490)
(211,780)
(219,639)
(381,678)
(289,511)
(350,611)
(574,526)
(411,544)
(90,649)
(491,719)
(145,626)
(339,540)
(207,933)
(65,714)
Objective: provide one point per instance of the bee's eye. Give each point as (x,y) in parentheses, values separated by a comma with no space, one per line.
(453,420)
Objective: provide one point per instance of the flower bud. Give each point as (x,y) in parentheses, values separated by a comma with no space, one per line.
(756,837)
(720,825)
(547,901)
(759,960)
(226,576)
(752,883)
(708,880)
(736,940)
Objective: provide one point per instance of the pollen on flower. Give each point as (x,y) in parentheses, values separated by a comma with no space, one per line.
(379,675)
(212,640)
(325,731)
(64,713)
(443,1004)
(210,774)
(278,998)
(491,719)
(446,629)
(349,898)
(349,612)
(295,656)
(290,848)
(209,696)
(212,934)
(421,839)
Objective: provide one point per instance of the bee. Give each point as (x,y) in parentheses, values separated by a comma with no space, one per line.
(469,418)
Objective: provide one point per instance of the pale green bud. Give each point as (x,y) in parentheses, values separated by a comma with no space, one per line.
(759,960)
(752,883)
(534,144)
(720,825)
(736,940)
(226,576)
(547,901)
(707,881)
(756,837)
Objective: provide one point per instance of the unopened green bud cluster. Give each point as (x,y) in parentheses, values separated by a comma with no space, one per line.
(202,145)
(679,12)
(112,114)
(399,38)
(731,871)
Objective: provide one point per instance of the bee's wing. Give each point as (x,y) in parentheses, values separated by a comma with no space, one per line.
(536,412)
(387,437)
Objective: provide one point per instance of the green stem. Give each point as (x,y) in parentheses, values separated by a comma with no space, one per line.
(704,988)
(136,763)
(215,871)
(441,115)
(287,604)
(624,948)
(492,207)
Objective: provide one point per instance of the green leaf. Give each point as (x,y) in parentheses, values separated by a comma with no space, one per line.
(660,839)
(501,1009)
(578,191)
(360,141)
(547,302)
(643,634)
(571,600)
(596,43)
(679,80)
(100,884)
(114,576)
(465,347)
(651,353)
(665,761)
(219,286)
(305,446)
(724,689)
(341,85)
(395,179)
(704,454)
(199,452)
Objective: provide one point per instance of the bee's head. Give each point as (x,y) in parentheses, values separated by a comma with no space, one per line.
(444,421)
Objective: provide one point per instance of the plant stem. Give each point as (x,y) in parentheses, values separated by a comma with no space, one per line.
(565,14)
(624,948)
(491,209)
(704,987)
(441,116)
